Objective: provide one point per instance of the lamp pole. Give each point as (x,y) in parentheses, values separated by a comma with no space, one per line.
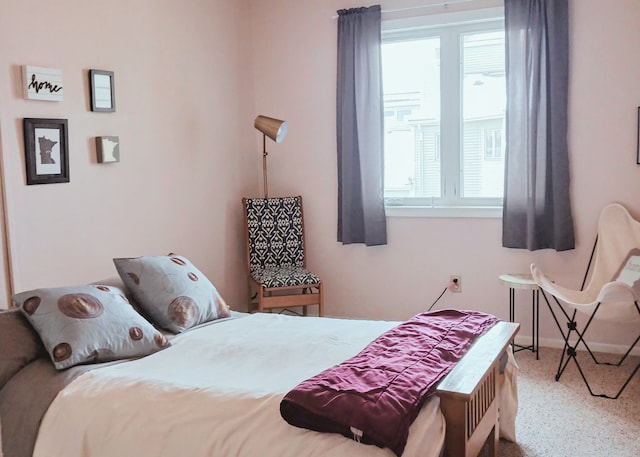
(264,163)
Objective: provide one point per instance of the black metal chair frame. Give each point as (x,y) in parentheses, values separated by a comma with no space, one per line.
(570,350)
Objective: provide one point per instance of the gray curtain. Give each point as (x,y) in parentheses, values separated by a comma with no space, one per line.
(361,215)
(537,209)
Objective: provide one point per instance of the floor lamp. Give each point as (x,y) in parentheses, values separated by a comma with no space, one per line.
(274,129)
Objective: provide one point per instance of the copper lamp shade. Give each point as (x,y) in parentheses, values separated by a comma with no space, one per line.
(274,129)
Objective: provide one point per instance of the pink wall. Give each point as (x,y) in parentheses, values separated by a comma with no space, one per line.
(295,60)
(184,113)
(190,77)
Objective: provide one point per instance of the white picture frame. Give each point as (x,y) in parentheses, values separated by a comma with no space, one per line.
(41,83)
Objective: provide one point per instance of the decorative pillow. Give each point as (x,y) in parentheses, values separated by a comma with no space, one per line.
(88,324)
(19,344)
(116,281)
(173,293)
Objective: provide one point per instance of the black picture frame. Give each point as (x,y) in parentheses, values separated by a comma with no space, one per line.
(101,84)
(46,150)
(638,141)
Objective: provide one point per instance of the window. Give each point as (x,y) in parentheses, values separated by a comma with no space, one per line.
(444,107)
(492,144)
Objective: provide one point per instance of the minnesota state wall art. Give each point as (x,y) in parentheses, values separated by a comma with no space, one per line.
(108,149)
(46,150)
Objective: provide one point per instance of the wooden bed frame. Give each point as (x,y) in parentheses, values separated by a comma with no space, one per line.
(468,395)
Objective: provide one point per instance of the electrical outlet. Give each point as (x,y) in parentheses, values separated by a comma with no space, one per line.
(456,283)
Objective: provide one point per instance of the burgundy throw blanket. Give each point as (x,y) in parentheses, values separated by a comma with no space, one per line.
(375,396)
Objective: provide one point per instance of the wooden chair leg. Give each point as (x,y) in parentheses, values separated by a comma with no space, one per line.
(260,298)
(250,306)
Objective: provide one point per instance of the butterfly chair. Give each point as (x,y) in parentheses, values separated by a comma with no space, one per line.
(276,259)
(612,291)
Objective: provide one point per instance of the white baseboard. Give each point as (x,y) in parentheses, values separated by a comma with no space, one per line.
(558,343)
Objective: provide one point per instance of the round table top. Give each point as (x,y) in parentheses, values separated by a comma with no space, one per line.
(519,281)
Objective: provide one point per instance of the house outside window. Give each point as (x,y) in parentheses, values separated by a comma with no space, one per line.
(444,100)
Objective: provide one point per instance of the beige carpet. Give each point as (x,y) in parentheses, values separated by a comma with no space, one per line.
(561,419)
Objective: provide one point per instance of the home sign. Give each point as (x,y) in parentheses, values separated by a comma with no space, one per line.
(42,83)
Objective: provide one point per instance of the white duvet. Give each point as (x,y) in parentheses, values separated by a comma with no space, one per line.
(216,392)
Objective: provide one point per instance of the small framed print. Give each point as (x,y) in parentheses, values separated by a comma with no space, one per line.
(108,149)
(46,150)
(102,92)
(42,83)
(638,140)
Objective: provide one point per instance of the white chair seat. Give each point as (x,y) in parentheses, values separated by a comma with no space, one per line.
(611,293)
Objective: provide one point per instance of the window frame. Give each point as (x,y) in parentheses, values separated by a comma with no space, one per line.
(449,27)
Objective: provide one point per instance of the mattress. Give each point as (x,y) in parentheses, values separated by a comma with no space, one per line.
(217,391)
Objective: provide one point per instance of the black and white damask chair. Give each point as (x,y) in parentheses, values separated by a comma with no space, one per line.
(278,277)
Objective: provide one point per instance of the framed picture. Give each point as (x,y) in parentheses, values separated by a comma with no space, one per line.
(638,143)
(42,83)
(46,150)
(108,149)
(102,93)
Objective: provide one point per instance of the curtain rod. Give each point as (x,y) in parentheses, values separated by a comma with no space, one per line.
(410,8)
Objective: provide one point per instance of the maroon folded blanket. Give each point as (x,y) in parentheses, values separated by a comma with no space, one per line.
(375,396)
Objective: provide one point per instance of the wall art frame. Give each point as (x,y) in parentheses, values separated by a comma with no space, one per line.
(101,88)
(108,149)
(638,140)
(40,83)
(46,150)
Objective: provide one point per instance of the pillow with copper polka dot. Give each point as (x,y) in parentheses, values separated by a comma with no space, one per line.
(171,291)
(88,324)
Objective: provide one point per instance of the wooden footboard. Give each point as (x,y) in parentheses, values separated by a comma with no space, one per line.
(468,395)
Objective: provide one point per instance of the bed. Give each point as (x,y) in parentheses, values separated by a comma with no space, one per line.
(164,404)
(216,388)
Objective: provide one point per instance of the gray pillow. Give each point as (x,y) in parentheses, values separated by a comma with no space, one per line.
(88,324)
(171,291)
(19,344)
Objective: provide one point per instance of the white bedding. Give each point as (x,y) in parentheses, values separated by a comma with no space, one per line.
(217,392)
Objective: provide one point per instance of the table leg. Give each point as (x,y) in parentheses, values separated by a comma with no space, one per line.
(512,310)
(536,323)
(511,304)
(533,321)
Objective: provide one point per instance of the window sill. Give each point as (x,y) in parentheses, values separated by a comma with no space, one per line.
(493,212)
